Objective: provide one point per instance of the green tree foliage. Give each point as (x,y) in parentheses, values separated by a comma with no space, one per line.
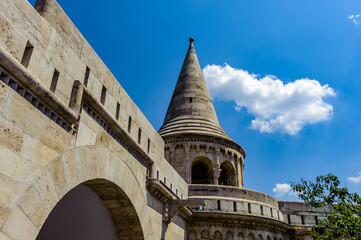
(345,220)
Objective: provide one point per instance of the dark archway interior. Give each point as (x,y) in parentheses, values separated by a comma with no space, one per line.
(96,209)
(200,173)
(227,176)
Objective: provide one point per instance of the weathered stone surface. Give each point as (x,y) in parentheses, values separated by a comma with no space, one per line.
(3,236)
(37,151)
(10,135)
(45,187)
(17,167)
(56,137)
(15,219)
(33,206)
(4,91)
(10,190)
(57,172)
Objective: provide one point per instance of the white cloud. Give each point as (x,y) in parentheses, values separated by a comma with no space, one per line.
(283,189)
(355,18)
(277,107)
(355,179)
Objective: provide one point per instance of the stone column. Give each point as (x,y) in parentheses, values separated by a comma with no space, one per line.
(215,173)
(188,165)
(239,172)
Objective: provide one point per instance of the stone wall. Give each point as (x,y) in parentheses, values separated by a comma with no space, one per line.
(65,120)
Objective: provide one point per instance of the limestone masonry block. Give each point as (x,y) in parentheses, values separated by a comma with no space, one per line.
(17,167)
(37,151)
(33,206)
(18,218)
(10,190)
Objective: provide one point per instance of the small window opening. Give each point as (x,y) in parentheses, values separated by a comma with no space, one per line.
(129,124)
(303,219)
(249,208)
(289,219)
(27,54)
(148,149)
(86,77)
(171,186)
(157,174)
(176,192)
(139,135)
(54,81)
(190,100)
(117,112)
(235,206)
(261,210)
(165,181)
(201,208)
(219,205)
(271,212)
(316,219)
(103,96)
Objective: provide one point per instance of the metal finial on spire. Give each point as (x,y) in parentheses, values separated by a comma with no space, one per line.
(191,39)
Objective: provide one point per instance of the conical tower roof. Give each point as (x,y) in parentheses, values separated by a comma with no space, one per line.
(191,109)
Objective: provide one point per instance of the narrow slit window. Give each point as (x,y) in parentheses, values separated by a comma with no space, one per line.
(261,210)
(316,219)
(148,149)
(129,124)
(171,186)
(117,112)
(303,219)
(165,181)
(190,100)
(249,208)
(235,206)
(219,205)
(271,212)
(27,54)
(139,136)
(54,81)
(103,96)
(86,77)
(289,219)
(157,174)
(176,192)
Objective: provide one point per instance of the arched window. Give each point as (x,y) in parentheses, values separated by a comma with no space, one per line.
(228,174)
(192,235)
(240,236)
(217,235)
(251,237)
(200,171)
(229,236)
(204,234)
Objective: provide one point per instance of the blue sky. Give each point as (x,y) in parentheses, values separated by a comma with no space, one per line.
(144,43)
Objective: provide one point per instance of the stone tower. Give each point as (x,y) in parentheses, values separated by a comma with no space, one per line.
(195,144)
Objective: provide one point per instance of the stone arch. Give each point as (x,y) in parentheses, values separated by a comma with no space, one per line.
(88,164)
(251,237)
(240,236)
(269,237)
(260,237)
(64,223)
(229,236)
(228,174)
(217,235)
(201,167)
(192,235)
(204,234)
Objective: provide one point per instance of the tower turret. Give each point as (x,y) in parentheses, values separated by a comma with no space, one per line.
(196,145)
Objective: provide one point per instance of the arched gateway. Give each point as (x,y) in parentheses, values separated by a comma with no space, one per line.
(101,171)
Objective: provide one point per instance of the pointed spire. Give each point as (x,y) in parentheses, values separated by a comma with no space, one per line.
(191,109)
